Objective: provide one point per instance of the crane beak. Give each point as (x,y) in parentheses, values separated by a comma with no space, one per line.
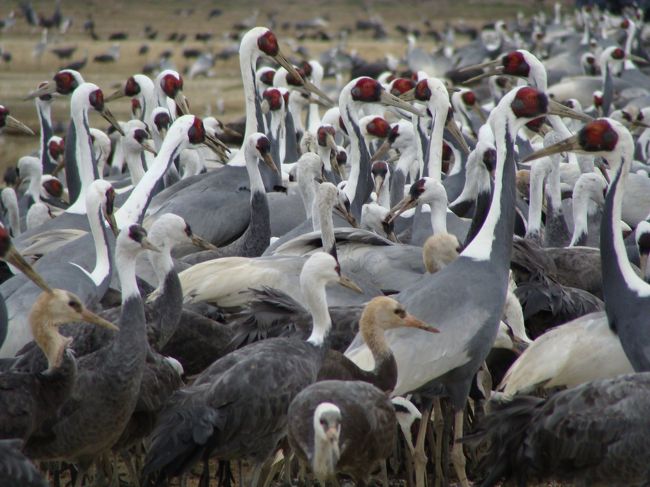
(519,346)
(350,284)
(18,125)
(391,100)
(638,59)
(345,213)
(477,109)
(147,245)
(202,243)
(216,146)
(162,132)
(330,142)
(90,317)
(116,95)
(17,260)
(556,108)
(408,95)
(335,165)
(48,88)
(572,144)
(282,61)
(492,68)
(146,146)
(406,204)
(60,165)
(181,103)
(265,106)
(602,167)
(268,160)
(379,183)
(110,118)
(110,218)
(230,132)
(411,321)
(456,133)
(379,153)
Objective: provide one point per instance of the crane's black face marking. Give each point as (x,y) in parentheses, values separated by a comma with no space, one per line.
(196,133)
(306,68)
(162,121)
(401,86)
(378,127)
(273,97)
(590,60)
(379,168)
(401,312)
(46,97)
(469,98)
(529,103)
(515,64)
(293,81)
(110,200)
(65,83)
(171,85)
(5,241)
(322,132)
(417,188)
(267,77)
(263,145)
(618,54)
(536,124)
(367,90)
(422,91)
(502,81)
(394,133)
(342,126)
(188,230)
(53,187)
(96,99)
(137,233)
(140,135)
(4,113)
(447,153)
(490,159)
(131,88)
(598,136)
(268,44)
(644,244)
(341,158)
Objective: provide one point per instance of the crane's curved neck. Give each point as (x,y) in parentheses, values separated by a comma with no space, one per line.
(135,206)
(359,184)
(538,175)
(439,217)
(10,202)
(125,259)
(323,222)
(134,163)
(161,262)
(433,156)
(102,268)
(315,297)
(48,339)
(84,156)
(493,242)
(44,109)
(147,99)
(580,218)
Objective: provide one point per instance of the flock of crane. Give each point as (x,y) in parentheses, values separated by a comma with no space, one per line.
(414,276)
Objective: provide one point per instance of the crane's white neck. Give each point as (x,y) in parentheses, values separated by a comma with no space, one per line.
(125,259)
(97,228)
(313,291)
(434,161)
(84,156)
(134,163)
(538,173)
(161,262)
(580,216)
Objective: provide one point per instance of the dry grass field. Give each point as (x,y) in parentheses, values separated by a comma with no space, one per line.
(25,71)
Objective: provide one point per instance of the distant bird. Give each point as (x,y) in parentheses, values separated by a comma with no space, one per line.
(77,65)
(109,56)
(64,52)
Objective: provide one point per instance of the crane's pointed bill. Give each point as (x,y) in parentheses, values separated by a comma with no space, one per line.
(147,245)
(330,142)
(202,243)
(18,125)
(602,166)
(216,146)
(566,145)
(48,88)
(110,118)
(350,284)
(345,213)
(495,71)
(181,103)
(638,59)
(556,108)
(487,64)
(116,95)
(284,62)
(90,317)
(17,260)
(408,95)
(112,223)
(391,100)
(411,321)
(519,346)
(481,115)
(268,160)
(146,146)
(381,151)
(379,183)
(406,204)
(456,133)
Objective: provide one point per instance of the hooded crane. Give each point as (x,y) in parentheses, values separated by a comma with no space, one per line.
(237,408)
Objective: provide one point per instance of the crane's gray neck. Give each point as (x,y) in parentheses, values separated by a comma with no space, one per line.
(291,147)
(44,109)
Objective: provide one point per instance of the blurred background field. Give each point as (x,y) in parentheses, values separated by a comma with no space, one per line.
(220,94)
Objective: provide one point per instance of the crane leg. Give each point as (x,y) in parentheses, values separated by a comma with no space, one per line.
(126,458)
(419,457)
(457,454)
(287,474)
(439,425)
(384,473)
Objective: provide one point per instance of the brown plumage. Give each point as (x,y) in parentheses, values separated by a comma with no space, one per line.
(27,399)
(380,314)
